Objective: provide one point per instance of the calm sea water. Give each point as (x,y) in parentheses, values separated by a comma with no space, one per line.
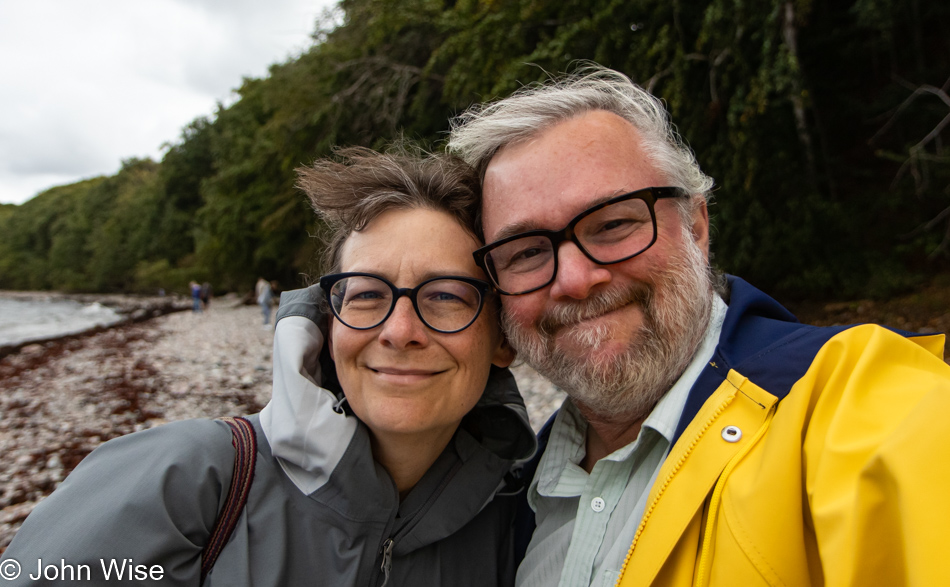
(22,320)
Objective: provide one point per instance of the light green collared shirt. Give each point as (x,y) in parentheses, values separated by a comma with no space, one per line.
(586,523)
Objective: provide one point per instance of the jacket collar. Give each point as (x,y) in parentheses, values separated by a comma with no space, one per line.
(754,326)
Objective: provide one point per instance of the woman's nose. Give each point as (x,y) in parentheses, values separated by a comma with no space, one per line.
(404,328)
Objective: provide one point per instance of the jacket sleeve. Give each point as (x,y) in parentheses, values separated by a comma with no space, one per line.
(152,497)
(877,460)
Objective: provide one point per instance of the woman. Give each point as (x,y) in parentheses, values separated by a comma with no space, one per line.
(398,479)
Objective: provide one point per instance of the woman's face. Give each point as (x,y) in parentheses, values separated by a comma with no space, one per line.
(401,377)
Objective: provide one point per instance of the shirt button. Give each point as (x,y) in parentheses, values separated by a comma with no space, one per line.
(598,504)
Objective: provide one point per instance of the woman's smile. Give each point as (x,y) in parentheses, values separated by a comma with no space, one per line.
(405,376)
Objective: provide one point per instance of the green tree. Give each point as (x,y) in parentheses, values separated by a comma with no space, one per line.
(823,124)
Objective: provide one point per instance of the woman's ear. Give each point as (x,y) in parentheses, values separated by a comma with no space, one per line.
(330,338)
(504,354)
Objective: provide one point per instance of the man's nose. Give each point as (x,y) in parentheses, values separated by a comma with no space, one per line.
(404,328)
(576,274)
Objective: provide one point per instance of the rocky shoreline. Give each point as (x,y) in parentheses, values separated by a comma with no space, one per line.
(61,398)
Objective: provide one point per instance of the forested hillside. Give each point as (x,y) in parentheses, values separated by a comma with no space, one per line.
(823,123)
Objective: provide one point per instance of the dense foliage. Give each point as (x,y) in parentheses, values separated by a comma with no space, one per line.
(823,124)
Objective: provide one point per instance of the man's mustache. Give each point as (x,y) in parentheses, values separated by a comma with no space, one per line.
(568,314)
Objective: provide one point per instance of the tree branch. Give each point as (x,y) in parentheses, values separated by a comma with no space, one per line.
(916,162)
(917,91)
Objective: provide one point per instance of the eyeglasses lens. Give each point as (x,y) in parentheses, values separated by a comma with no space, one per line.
(616,231)
(361,302)
(522,264)
(447,304)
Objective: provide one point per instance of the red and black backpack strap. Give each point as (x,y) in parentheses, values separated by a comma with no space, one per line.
(245,454)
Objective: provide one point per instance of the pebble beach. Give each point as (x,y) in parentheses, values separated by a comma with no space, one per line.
(61,398)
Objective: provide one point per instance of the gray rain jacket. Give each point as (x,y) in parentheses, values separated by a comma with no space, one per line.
(321,511)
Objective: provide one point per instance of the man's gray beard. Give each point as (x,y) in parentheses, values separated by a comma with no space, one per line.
(676,310)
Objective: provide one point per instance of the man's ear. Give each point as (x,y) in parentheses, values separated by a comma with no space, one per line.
(699,227)
(504,354)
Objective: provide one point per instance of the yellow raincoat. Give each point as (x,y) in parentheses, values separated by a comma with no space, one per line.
(807,456)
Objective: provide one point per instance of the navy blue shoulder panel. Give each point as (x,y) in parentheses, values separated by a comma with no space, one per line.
(761,340)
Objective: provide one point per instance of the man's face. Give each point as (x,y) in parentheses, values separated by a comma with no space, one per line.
(613,336)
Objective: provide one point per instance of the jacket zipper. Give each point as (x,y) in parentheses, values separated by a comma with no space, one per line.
(386,549)
(387,563)
(666,483)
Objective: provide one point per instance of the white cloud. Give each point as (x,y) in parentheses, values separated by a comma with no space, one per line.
(85,84)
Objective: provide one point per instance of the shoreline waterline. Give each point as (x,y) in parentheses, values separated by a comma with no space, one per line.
(38,317)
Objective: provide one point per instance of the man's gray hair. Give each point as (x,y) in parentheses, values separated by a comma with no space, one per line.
(484,129)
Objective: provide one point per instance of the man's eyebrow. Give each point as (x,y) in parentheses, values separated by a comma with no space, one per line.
(516,228)
(529,225)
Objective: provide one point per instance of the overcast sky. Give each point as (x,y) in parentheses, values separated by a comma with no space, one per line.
(85,84)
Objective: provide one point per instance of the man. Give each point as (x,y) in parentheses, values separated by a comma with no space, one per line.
(708,437)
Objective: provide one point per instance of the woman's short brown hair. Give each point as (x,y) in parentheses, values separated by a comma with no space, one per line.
(351,189)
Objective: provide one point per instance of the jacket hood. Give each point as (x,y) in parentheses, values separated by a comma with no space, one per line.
(324,449)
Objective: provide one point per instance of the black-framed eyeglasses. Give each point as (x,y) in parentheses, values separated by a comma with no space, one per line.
(610,232)
(445,304)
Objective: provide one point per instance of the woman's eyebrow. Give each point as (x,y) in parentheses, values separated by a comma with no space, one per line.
(460,272)
(431,274)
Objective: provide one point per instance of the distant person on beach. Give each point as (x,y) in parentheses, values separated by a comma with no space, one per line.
(708,437)
(206,294)
(265,298)
(275,291)
(387,453)
(195,296)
